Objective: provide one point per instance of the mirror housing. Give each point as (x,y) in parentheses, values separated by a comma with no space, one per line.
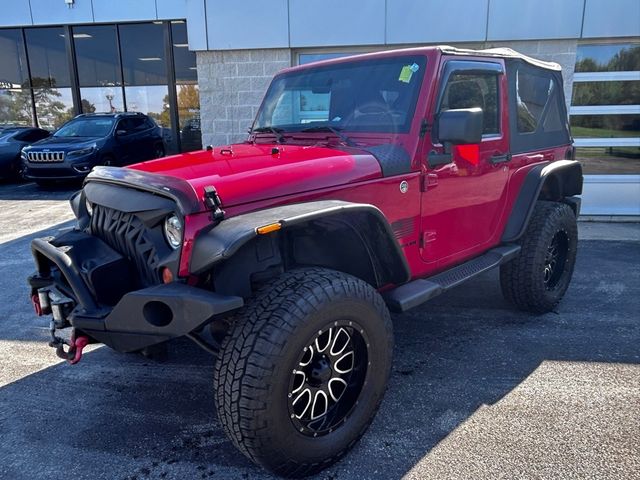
(460,126)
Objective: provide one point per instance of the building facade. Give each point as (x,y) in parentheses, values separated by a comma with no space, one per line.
(201,67)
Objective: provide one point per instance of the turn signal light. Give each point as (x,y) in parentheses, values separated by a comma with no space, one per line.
(272,227)
(167,276)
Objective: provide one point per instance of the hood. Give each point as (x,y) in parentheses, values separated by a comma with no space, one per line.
(245,173)
(63,142)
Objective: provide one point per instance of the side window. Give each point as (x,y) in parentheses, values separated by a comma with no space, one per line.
(468,90)
(537,114)
(125,125)
(535,95)
(137,125)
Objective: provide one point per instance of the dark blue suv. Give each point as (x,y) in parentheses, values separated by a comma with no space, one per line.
(89,140)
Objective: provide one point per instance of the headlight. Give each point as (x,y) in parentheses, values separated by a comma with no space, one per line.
(173,231)
(83,151)
(87,204)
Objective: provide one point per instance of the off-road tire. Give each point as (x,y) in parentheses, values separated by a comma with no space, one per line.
(253,373)
(523,279)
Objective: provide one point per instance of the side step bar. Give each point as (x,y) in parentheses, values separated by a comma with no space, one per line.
(419,291)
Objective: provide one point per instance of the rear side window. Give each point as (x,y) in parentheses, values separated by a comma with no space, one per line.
(538,115)
(468,90)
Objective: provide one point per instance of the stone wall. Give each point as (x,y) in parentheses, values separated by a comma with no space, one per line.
(232,84)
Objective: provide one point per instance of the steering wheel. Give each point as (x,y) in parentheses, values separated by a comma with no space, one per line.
(370,109)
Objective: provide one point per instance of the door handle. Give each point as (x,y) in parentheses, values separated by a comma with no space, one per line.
(497,159)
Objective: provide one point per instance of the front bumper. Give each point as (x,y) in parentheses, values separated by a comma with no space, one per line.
(69,169)
(104,304)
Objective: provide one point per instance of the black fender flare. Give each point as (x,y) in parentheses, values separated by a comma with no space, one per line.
(221,242)
(558,181)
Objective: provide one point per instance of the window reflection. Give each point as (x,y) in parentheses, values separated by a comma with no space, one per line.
(101,99)
(189,117)
(143,59)
(54,106)
(15,97)
(154,101)
(97,56)
(48,57)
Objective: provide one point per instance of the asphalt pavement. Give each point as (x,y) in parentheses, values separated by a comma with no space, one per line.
(478,390)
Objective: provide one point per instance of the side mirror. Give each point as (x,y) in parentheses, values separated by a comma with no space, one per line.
(461,126)
(120,133)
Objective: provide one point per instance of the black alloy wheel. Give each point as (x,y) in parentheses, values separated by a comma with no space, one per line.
(326,383)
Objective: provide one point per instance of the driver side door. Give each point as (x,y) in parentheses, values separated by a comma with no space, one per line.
(463,200)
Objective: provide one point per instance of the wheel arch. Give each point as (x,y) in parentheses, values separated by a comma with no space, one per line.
(348,237)
(558,181)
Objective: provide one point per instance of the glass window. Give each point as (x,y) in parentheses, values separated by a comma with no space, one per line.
(101,99)
(152,100)
(368,95)
(54,106)
(622,57)
(189,117)
(97,56)
(474,90)
(606,93)
(183,58)
(607,160)
(143,58)
(48,57)
(15,98)
(605,126)
(532,94)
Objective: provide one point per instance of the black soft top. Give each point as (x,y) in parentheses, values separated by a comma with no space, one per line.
(499,52)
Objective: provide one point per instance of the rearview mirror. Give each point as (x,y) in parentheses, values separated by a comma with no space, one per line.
(460,126)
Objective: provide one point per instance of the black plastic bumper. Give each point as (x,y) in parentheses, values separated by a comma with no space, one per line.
(99,281)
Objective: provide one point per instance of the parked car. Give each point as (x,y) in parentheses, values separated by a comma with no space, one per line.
(12,140)
(421,169)
(88,140)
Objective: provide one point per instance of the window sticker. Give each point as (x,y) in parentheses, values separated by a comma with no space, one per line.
(407,72)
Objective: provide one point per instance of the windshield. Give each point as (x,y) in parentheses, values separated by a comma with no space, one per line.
(362,96)
(86,127)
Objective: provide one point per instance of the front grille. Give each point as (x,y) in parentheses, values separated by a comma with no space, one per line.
(41,157)
(125,233)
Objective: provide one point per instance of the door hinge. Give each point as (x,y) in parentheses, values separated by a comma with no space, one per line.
(424,127)
(430,180)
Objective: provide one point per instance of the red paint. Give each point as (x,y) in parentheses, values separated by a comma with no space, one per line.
(460,214)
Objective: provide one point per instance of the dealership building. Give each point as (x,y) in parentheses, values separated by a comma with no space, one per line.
(201,67)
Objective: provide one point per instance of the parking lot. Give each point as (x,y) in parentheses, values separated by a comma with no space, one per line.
(478,390)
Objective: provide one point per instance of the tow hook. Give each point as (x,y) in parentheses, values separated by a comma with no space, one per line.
(76,344)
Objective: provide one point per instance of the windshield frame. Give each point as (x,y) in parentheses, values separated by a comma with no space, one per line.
(420,59)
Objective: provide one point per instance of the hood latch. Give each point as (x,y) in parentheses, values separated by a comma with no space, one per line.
(212,202)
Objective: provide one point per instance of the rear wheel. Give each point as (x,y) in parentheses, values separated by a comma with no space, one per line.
(538,278)
(302,373)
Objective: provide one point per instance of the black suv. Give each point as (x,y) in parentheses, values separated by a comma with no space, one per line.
(89,140)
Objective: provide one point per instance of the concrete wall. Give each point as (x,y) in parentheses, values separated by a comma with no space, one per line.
(232,84)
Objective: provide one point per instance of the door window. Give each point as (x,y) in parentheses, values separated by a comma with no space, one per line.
(469,90)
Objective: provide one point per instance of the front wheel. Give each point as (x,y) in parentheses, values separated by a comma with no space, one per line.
(538,278)
(302,373)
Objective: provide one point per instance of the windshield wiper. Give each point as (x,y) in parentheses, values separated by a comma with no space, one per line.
(335,131)
(276,131)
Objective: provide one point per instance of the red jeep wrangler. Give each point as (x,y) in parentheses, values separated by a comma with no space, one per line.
(367,184)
